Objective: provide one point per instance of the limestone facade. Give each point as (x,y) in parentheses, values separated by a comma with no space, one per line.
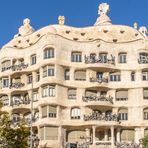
(88,85)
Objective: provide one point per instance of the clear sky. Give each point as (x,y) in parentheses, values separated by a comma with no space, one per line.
(77,13)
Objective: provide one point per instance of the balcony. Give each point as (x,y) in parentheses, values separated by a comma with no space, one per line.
(98,98)
(19,101)
(18,67)
(94,59)
(16,85)
(96,116)
(99,80)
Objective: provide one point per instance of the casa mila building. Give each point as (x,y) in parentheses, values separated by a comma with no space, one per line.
(84,87)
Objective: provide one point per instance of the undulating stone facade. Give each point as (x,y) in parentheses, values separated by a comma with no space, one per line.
(89,86)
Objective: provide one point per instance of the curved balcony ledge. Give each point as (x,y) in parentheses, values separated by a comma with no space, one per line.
(81,122)
(49,100)
(48,121)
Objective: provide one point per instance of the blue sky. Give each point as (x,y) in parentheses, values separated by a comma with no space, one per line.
(77,12)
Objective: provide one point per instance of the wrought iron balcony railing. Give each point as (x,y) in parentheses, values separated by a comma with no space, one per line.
(128,145)
(94,59)
(143,60)
(19,102)
(101,117)
(98,98)
(99,80)
(16,85)
(18,67)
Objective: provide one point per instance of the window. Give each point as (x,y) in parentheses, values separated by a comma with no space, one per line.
(103,57)
(48,53)
(143,58)
(90,93)
(5,82)
(99,75)
(6,65)
(72,94)
(37,76)
(80,75)
(127,135)
(122,58)
(44,111)
(145,94)
(48,71)
(74,136)
(75,113)
(49,91)
(35,96)
(67,74)
(29,78)
(52,112)
(76,57)
(15,118)
(33,59)
(145,114)
(123,114)
(49,133)
(132,76)
(49,111)
(115,76)
(144,75)
(122,95)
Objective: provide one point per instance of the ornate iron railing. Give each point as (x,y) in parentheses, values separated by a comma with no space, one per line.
(94,59)
(15,67)
(16,85)
(128,145)
(100,117)
(143,60)
(99,80)
(97,98)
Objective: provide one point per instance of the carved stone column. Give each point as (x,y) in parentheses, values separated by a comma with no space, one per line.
(112,136)
(106,134)
(94,134)
(118,135)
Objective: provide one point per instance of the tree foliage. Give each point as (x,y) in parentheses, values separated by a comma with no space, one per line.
(144,141)
(12,136)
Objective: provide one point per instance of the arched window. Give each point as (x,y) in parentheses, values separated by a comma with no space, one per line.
(145,114)
(80,75)
(48,53)
(75,113)
(123,114)
(121,95)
